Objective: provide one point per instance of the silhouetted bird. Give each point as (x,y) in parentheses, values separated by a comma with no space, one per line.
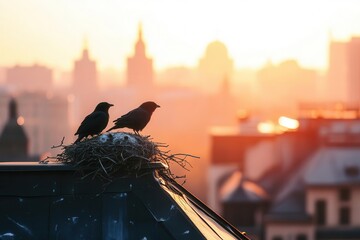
(136,119)
(95,122)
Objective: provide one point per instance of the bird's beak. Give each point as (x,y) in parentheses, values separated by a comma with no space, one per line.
(157,105)
(111,105)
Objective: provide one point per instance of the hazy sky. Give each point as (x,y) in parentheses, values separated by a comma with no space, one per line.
(176,32)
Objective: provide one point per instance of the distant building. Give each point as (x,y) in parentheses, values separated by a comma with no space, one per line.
(139,67)
(85,85)
(353,70)
(319,199)
(215,65)
(309,184)
(244,203)
(344,71)
(46,120)
(216,61)
(233,189)
(14,143)
(85,75)
(223,104)
(30,78)
(337,86)
(282,86)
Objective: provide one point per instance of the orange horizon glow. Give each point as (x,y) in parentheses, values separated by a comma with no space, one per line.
(52,33)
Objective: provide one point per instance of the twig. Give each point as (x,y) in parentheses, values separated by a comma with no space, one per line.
(60,145)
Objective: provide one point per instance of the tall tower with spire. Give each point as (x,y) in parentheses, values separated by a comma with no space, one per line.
(139,67)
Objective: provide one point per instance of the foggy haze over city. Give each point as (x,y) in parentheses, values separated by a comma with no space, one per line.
(266,93)
(253,31)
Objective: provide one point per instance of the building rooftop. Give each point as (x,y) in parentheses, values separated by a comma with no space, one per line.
(52,201)
(237,189)
(328,166)
(334,166)
(289,202)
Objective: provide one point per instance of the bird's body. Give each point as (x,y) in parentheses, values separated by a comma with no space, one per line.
(136,119)
(95,122)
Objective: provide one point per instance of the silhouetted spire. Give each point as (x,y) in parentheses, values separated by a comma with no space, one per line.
(85,53)
(139,67)
(13,110)
(85,43)
(140,32)
(140,45)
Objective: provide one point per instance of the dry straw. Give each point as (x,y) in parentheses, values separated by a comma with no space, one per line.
(113,154)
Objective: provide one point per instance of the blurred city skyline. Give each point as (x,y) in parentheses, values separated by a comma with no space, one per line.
(259,90)
(176,33)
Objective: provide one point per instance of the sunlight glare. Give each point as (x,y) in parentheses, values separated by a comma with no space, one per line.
(20,120)
(288,123)
(266,127)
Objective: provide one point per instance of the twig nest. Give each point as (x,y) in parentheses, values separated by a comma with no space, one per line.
(110,153)
(119,152)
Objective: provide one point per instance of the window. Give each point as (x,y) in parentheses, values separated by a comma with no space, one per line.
(301,237)
(352,171)
(240,214)
(320,212)
(277,238)
(344,216)
(344,194)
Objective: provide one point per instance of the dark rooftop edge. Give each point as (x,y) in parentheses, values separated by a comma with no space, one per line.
(38,166)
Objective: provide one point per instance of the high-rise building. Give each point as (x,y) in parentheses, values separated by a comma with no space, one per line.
(337,67)
(85,85)
(85,75)
(344,71)
(140,67)
(30,78)
(353,70)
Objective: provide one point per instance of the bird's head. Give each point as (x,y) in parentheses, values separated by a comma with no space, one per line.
(149,106)
(103,106)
